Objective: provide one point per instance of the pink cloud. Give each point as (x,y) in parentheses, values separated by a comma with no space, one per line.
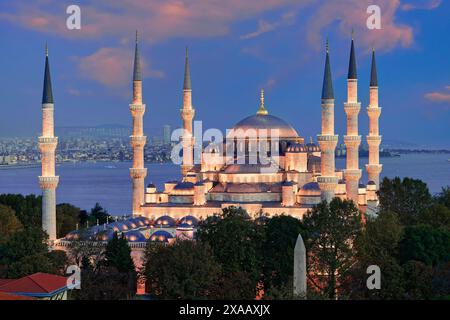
(352,14)
(438,97)
(424,5)
(112,67)
(164,18)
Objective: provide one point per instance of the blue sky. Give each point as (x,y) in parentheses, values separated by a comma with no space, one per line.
(236,48)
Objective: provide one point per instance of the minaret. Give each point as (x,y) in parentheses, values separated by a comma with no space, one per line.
(187,114)
(138,172)
(374,139)
(327,139)
(352,140)
(47,145)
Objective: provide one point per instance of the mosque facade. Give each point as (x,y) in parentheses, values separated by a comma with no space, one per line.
(263,165)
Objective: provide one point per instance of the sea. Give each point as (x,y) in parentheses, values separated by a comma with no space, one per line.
(85,183)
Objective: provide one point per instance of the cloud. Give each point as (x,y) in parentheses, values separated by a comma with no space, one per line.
(438,97)
(352,14)
(163,18)
(424,5)
(112,67)
(264,26)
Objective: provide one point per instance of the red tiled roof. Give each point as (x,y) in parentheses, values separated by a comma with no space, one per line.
(37,283)
(7,296)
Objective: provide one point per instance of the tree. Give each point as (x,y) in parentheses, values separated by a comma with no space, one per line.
(184,270)
(426,244)
(236,242)
(418,280)
(331,231)
(98,213)
(25,253)
(103,283)
(9,224)
(378,245)
(118,254)
(28,208)
(437,216)
(67,217)
(407,197)
(443,197)
(281,236)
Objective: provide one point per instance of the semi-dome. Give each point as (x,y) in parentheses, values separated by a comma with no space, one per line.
(135,236)
(310,189)
(165,221)
(264,122)
(189,221)
(160,236)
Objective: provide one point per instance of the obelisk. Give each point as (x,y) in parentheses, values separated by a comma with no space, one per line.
(299,269)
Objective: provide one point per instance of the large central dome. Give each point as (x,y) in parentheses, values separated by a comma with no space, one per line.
(267,122)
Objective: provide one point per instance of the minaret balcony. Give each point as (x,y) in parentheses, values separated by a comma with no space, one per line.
(48,182)
(352,108)
(327,183)
(138,141)
(373,112)
(187,114)
(374,168)
(352,174)
(352,141)
(327,142)
(373,140)
(48,140)
(137,109)
(138,173)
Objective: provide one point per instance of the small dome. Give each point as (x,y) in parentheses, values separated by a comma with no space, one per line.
(262,220)
(146,221)
(165,221)
(371,183)
(118,226)
(151,185)
(104,235)
(310,189)
(135,236)
(73,235)
(189,221)
(160,236)
(184,186)
(130,224)
(138,222)
(312,147)
(295,148)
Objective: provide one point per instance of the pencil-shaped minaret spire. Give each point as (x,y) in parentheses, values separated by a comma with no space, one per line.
(48,181)
(327,139)
(138,172)
(187,114)
(374,139)
(352,140)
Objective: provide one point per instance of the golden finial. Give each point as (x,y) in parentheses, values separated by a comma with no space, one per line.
(262,110)
(46,49)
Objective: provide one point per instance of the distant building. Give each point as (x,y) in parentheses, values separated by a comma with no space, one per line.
(166,134)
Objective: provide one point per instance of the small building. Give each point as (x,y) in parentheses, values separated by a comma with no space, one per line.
(42,286)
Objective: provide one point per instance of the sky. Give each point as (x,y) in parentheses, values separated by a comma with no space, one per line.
(236,48)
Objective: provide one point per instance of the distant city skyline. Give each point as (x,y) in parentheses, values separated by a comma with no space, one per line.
(277,46)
